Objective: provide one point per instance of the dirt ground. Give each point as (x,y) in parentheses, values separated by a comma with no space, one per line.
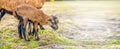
(90,24)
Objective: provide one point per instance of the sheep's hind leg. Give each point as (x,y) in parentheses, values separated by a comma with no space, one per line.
(25,34)
(2,13)
(20,29)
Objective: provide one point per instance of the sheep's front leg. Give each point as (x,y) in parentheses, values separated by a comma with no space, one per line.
(31,30)
(25,34)
(36,31)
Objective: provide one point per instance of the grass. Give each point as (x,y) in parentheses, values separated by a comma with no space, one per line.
(70,47)
(117,42)
(10,40)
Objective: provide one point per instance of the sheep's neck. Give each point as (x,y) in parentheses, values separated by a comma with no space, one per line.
(44,20)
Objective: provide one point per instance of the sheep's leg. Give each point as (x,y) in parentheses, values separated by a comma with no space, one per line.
(20,26)
(20,29)
(36,31)
(25,34)
(23,23)
(31,30)
(2,13)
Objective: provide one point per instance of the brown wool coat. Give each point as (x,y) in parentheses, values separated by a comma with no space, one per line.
(11,4)
(31,13)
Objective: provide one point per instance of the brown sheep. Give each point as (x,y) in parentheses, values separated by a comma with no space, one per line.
(26,13)
(7,6)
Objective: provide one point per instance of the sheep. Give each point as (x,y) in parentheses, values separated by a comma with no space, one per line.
(26,13)
(7,6)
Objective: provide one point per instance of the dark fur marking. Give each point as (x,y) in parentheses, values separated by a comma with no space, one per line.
(19,17)
(20,30)
(3,11)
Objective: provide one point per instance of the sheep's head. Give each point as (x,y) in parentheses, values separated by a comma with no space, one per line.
(53,22)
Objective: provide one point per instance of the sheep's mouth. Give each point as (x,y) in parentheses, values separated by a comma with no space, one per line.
(55,27)
(39,7)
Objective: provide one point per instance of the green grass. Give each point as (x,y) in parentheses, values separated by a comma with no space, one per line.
(70,47)
(117,42)
(10,40)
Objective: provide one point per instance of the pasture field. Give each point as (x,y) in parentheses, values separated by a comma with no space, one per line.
(83,25)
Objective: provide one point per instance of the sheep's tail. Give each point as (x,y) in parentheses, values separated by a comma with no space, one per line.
(18,16)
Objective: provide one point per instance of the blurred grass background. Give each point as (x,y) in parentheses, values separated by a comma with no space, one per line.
(65,10)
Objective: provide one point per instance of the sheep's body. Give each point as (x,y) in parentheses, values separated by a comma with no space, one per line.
(7,6)
(11,4)
(31,13)
(26,13)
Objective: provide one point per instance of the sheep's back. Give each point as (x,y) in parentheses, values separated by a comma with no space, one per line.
(11,4)
(28,11)
(36,3)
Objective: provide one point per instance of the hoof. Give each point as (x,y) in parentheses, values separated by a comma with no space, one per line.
(37,39)
(21,37)
(27,40)
(29,33)
(42,28)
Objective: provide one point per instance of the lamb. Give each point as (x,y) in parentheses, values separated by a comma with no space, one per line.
(7,6)
(26,13)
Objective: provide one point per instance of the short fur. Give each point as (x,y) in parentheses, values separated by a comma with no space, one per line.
(8,5)
(34,15)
